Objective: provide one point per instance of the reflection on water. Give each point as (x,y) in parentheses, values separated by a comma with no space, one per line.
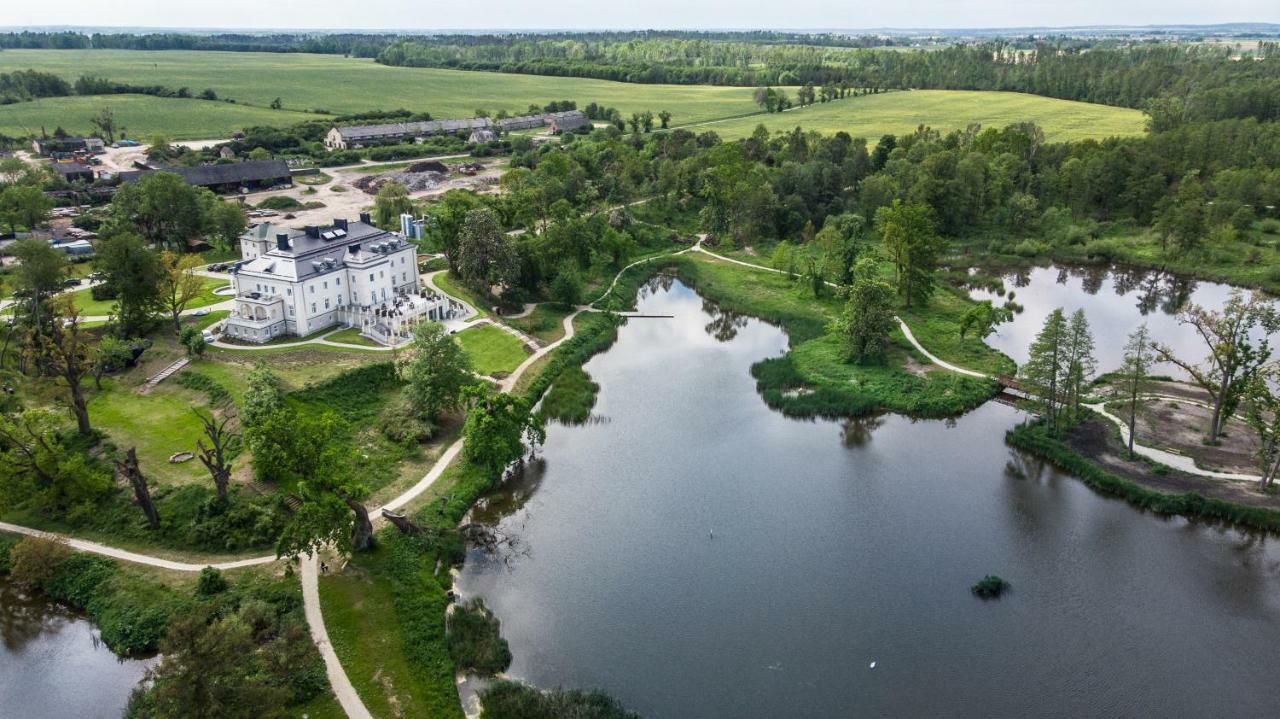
(53,663)
(1115,301)
(704,556)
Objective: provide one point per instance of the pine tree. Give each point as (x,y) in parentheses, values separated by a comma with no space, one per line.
(1081,363)
(1135,368)
(1046,367)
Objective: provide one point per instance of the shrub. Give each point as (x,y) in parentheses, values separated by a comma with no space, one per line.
(34,560)
(1270,226)
(204,383)
(211,582)
(475,641)
(103,292)
(192,339)
(280,202)
(990,587)
(1031,248)
(516,700)
(404,426)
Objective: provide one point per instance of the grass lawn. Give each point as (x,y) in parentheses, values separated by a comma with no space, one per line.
(352,336)
(158,424)
(339,84)
(546,322)
(492,351)
(141,115)
(90,307)
(872,116)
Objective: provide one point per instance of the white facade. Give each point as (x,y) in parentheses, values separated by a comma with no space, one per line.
(292,282)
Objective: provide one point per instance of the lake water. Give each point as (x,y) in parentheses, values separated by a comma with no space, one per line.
(1116,301)
(696,554)
(53,665)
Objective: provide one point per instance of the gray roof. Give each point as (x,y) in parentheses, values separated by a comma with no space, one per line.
(356,133)
(328,252)
(225,174)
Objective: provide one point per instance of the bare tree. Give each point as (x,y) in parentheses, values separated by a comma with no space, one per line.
(219,432)
(128,468)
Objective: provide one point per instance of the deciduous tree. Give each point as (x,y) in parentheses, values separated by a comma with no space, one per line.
(868,315)
(1234,357)
(913,245)
(178,283)
(436,371)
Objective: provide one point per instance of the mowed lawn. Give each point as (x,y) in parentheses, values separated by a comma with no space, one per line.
(901,112)
(347,85)
(141,116)
(90,307)
(492,351)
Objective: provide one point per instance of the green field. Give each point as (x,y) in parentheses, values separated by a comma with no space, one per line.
(346,85)
(897,113)
(140,116)
(306,84)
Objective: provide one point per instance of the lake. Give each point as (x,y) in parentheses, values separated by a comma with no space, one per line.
(696,554)
(53,665)
(1115,301)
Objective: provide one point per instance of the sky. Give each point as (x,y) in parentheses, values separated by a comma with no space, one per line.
(592,14)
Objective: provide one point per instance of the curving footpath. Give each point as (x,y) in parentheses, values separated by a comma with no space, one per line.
(1180,462)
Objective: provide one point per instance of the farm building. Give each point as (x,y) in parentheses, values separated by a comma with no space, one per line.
(230,177)
(73,171)
(64,146)
(482,136)
(567,122)
(357,136)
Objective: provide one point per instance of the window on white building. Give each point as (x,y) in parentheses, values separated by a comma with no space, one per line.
(313,289)
(313,308)
(338,281)
(326,284)
(326,303)
(288,291)
(371,277)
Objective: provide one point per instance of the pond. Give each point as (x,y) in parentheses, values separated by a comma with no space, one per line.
(696,554)
(1115,301)
(53,665)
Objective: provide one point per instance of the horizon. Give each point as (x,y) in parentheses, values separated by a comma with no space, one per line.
(405,16)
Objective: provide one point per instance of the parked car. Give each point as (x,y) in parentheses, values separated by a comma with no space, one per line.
(208,337)
(201,312)
(71,282)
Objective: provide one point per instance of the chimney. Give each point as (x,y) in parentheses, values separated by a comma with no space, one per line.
(340,224)
(353,249)
(282,241)
(312,231)
(366,218)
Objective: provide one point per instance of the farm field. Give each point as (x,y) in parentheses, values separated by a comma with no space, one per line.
(140,116)
(309,83)
(871,116)
(347,85)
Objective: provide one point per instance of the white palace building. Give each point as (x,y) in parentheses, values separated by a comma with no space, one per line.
(352,274)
